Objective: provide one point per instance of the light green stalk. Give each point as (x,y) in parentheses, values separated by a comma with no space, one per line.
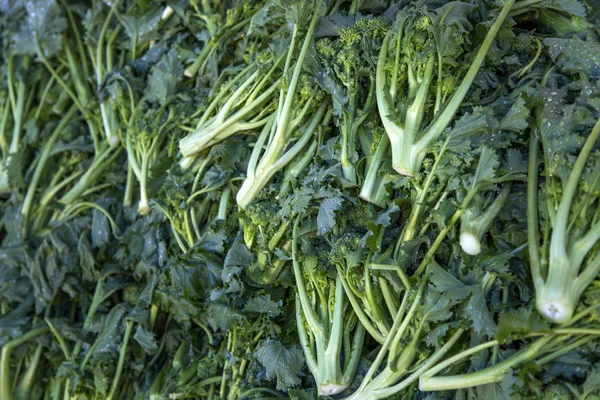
(6,392)
(410,141)
(567,278)
(274,158)
(322,341)
(474,223)
(232,119)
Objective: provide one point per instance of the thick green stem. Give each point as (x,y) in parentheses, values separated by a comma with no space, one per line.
(532,212)
(311,317)
(272,160)
(368,187)
(99,164)
(474,224)
(23,390)
(558,296)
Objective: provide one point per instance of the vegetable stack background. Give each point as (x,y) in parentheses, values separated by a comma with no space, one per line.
(361,199)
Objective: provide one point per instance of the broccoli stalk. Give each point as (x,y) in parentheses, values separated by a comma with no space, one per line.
(570,242)
(44,156)
(346,62)
(78,58)
(405,119)
(243,110)
(373,187)
(298,165)
(475,222)
(6,391)
(142,147)
(16,102)
(543,350)
(275,156)
(324,325)
(398,373)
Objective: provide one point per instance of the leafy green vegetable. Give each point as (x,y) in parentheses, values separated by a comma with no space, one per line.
(302,199)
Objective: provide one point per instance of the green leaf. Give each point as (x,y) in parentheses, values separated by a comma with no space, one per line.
(479,314)
(263,304)
(283,363)
(222,316)
(516,118)
(486,168)
(100,232)
(145,339)
(326,216)
(592,382)
(519,322)
(575,55)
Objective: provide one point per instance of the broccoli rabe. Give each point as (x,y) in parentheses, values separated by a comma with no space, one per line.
(296,119)
(422,79)
(244,103)
(556,391)
(330,334)
(566,262)
(264,231)
(348,63)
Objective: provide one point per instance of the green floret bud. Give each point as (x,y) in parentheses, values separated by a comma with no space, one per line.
(556,391)
(422,23)
(360,215)
(306,89)
(260,218)
(325,48)
(372,28)
(349,36)
(346,251)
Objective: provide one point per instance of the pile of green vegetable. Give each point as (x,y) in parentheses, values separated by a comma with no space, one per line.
(348,199)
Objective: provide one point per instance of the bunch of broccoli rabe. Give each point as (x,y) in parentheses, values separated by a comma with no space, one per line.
(300,199)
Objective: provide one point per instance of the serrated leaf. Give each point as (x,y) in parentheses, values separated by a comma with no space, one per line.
(486,168)
(280,362)
(263,304)
(145,339)
(326,216)
(516,117)
(479,314)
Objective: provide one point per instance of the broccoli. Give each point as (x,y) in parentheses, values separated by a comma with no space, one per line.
(424,50)
(297,118)
(330,335)
(347,62)
(565,264)
(556,391)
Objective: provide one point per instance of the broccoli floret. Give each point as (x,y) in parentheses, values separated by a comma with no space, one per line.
(327,329)
(359,215)
(556,391)
(346,252)
(261,219)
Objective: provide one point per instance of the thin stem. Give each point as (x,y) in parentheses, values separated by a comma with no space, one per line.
(122,353)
